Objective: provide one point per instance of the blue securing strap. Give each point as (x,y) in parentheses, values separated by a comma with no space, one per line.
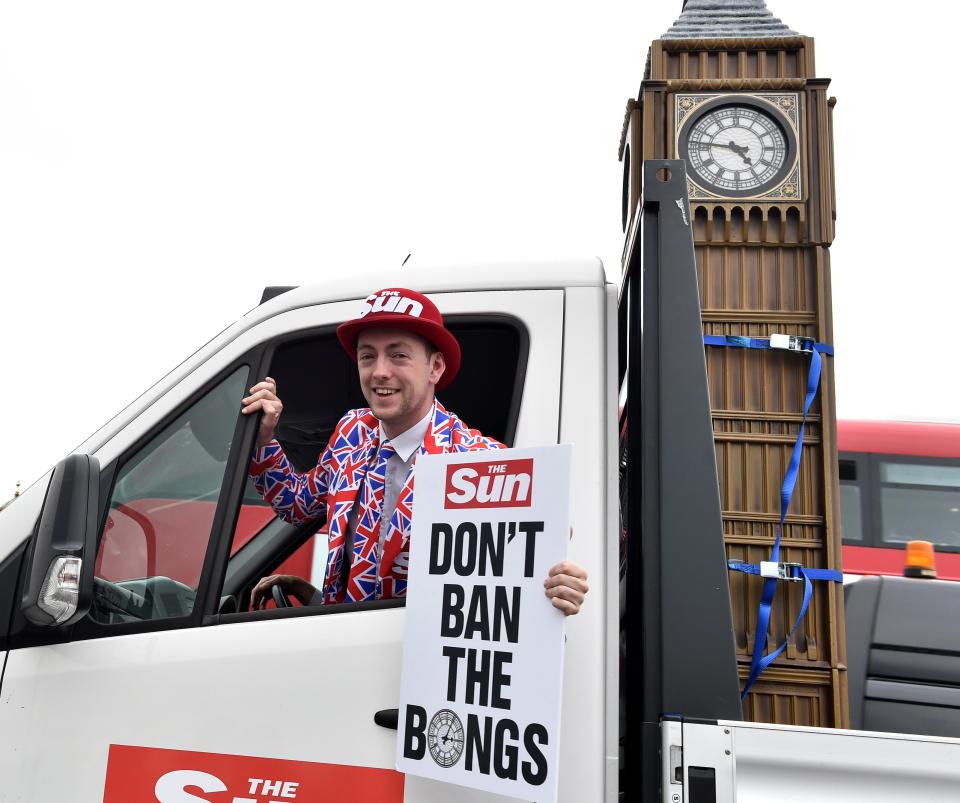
(758,665)
(792,572)
(796,343)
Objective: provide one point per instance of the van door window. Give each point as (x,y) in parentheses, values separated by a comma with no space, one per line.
(318,383)
(161,512)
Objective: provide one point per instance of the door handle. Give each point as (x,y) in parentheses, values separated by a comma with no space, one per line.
(387,718)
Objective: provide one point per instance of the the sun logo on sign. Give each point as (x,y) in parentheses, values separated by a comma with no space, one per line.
(495,484)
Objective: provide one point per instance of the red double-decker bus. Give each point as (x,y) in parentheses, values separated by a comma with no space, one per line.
(899,481)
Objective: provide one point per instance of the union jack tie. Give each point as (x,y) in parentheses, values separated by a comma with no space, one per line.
(362,584)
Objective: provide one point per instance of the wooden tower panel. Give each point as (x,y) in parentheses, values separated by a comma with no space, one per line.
(763,264)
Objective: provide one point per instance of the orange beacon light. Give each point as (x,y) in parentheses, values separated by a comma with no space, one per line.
(920,561)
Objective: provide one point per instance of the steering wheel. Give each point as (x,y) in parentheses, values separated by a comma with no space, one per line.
(280,598)
(119,599)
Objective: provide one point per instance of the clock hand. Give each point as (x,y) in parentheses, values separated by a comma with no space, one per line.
(740,150)
(730,147)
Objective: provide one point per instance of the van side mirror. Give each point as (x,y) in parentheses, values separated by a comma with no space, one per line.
(58,584)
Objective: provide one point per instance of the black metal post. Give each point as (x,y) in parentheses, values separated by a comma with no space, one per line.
(680,649)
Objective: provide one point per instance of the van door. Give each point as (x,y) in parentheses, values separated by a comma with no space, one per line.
(159,696)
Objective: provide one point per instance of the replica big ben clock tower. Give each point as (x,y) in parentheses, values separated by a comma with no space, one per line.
(732,91)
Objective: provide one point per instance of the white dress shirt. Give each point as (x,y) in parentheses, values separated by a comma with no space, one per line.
(406,445)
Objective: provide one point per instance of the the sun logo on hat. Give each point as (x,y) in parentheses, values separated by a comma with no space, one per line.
(400,308)
(391,301)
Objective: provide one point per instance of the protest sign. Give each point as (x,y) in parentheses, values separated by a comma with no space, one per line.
(483,649)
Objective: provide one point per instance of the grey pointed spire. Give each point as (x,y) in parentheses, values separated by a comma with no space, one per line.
(721,19)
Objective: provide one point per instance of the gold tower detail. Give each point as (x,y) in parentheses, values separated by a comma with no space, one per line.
(733,92)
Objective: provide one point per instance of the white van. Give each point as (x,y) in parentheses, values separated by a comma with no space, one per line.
(165,655)
(133,669)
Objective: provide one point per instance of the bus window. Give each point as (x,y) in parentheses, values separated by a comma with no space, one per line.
(851,503)
(920,501)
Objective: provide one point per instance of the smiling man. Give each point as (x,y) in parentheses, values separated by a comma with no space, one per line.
(364,478)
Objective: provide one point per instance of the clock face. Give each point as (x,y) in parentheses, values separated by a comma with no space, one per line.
(737,149)
(445,738)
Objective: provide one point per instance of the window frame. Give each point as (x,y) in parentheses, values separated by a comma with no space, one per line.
(224,518)
(871,505)
(287,546)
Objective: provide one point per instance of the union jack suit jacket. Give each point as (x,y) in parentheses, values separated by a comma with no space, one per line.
(335,483)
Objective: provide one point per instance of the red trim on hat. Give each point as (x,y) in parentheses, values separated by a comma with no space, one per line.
(400,308)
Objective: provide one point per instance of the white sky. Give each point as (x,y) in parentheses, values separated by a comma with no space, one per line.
(161,162)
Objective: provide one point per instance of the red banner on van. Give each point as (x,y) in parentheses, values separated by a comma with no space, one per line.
(156,775)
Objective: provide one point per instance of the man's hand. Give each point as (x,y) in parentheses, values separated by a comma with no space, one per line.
(566,586)
(263,396)
(292,586)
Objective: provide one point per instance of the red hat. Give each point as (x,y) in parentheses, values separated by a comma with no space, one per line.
(400,308)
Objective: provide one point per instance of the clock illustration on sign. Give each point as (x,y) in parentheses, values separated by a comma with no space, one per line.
(738,148)
(445,738)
